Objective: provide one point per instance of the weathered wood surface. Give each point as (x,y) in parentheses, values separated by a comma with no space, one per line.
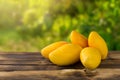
(32,66)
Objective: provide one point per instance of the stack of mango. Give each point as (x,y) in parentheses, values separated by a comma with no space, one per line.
(89,51)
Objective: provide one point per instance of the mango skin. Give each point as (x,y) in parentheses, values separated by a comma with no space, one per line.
(46,51)
(95,40)
(65,55)
(90,57)
(79,39)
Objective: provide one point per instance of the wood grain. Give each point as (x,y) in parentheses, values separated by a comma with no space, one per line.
(32,66)
(65,74)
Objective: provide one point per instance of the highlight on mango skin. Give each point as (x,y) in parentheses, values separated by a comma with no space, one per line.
(46,51)
(66,55)
(79,39)
(96,41)
(90,57)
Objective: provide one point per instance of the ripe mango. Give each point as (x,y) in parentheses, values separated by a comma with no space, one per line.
(78,39)
(46,51)
(96,41)
(90,57)
(65,55)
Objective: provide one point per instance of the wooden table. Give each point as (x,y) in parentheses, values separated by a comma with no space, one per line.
(32,66)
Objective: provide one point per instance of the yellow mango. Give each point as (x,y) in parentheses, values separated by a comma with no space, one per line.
(46,51)
(96,41)
(79,39)
(65,55)
(90,57)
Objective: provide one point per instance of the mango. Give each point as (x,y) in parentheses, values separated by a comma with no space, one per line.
(65,55)
(46,51)
(90,57)
(96,41)
(79,39)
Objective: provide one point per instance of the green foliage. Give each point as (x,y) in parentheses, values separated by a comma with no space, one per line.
(41,22)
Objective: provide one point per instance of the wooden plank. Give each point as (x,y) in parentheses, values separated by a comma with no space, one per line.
(37,55)
(44,66)
(25,56)
(40,75)
(114,54)
(45,62)
(30,61)
(25,62)
(26,67)
(32,67)
(65,74)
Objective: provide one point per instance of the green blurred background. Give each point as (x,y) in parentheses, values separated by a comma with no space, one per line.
(29,25)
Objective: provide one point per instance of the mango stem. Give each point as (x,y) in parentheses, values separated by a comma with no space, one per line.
(89,72)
